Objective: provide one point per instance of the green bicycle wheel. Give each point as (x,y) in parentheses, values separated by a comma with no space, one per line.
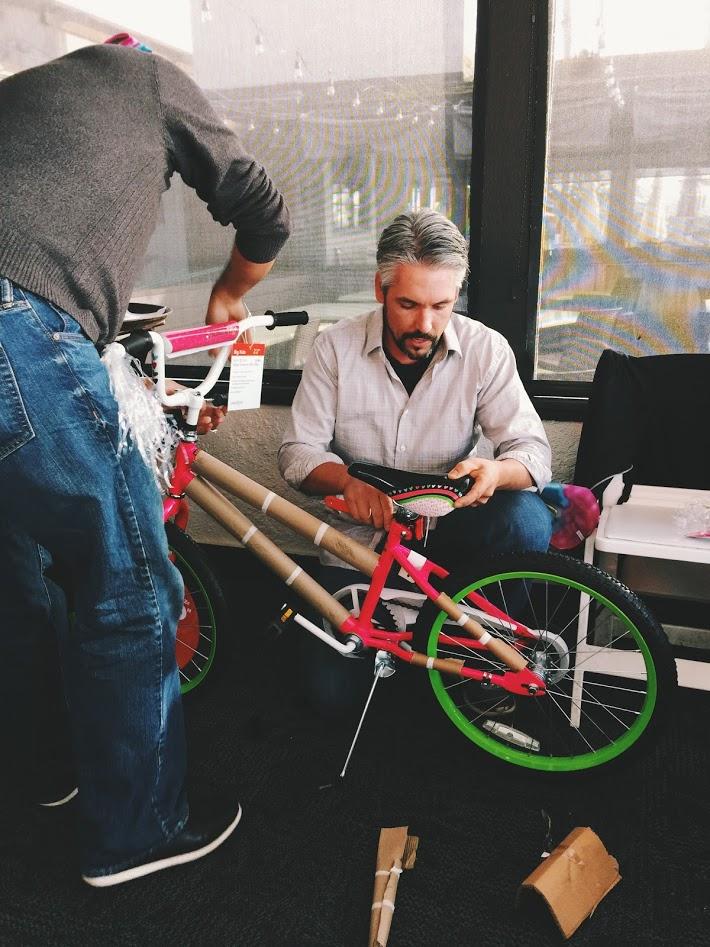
(204,612)
(607,665)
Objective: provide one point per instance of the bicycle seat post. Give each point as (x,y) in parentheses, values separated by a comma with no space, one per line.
(404,516)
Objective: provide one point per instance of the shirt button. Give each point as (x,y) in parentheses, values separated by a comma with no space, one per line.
(56,336)
(403,447)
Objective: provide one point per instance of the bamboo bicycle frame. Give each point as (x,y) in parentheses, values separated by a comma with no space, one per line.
(212,473)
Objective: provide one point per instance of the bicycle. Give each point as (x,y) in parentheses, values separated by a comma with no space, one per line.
(589,669)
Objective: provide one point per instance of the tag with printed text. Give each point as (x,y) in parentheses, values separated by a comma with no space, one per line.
(245,376)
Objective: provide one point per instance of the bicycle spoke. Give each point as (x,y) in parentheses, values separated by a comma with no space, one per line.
(628,690)
(609,707)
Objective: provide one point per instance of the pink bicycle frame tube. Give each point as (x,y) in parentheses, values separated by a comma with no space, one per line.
(183,340)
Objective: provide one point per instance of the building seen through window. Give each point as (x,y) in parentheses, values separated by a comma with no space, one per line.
(625,258)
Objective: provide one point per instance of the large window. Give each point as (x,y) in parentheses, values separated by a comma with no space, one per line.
(625,243)
(578,166)
(358,111)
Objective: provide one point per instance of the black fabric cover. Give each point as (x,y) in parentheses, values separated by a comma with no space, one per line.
(652,412)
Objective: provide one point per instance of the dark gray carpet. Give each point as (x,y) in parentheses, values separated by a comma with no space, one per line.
(298,872)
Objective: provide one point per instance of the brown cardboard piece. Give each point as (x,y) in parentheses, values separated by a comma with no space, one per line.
(575,878)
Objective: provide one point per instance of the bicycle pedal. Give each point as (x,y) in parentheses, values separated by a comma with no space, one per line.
(277,625)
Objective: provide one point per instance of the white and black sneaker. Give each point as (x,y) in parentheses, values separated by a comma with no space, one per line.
(196,840)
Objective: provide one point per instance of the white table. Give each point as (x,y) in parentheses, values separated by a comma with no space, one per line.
(645,526)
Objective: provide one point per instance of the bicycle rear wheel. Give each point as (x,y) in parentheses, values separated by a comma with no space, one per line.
(204,613)
(608,687)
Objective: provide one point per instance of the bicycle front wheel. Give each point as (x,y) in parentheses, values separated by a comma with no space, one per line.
(204,611)
(608,668)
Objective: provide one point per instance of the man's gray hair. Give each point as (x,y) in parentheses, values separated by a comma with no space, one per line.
(422,236)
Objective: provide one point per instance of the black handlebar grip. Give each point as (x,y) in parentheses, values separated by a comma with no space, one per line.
(287,318)
(137,344)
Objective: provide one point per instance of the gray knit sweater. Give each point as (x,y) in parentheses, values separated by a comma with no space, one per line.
(88,144)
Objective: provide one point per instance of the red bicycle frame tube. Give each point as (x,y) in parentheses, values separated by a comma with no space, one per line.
(174,503)
(420,568)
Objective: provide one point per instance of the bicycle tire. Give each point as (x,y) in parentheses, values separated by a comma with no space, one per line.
(204,616)
(618,711)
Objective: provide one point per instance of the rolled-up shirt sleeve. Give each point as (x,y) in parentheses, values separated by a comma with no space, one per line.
(210,159)
(309,435)
(509,420)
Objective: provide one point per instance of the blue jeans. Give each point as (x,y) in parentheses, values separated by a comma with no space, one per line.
(511,521)
(65,493)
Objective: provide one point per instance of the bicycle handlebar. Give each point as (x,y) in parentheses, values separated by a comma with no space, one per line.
(287,318)
(201,339)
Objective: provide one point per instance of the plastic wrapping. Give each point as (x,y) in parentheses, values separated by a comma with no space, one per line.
(142,421)
(693,520)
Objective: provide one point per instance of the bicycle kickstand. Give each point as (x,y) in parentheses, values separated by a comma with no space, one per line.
(384,667)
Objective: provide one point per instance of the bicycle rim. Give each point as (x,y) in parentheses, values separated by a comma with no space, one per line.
(601,695)
(196,635)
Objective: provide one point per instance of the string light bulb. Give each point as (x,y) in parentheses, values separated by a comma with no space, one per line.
(330,91)
(259,45)
(356,100)
(205,12)
(298,66)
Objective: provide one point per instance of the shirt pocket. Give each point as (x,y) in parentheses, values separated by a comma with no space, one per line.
(15,427)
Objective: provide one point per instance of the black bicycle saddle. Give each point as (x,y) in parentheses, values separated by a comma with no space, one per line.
(425,494)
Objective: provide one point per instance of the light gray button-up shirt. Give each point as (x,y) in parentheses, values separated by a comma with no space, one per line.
(351,406)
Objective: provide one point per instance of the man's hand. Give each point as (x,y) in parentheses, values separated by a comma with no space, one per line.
(486,479)
(368,505)
(226,299)
(224,307)
(489,476)
(210,416)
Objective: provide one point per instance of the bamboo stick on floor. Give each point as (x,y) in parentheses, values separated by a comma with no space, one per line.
(396,852)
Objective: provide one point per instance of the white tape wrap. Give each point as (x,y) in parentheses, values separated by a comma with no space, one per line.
(485,637)
(294,575)
(267,501)
(248,535)
(416,559)
(320,534)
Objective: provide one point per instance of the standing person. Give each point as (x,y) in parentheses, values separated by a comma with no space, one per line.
(413,385)
(91,141)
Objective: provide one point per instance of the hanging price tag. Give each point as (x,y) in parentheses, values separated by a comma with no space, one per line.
(245,376)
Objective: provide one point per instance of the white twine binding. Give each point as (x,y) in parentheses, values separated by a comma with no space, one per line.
(141,420)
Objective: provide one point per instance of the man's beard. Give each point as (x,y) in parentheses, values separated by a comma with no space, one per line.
(401,340)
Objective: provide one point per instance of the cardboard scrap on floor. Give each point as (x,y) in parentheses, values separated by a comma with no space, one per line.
(574,878)
(396,852)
